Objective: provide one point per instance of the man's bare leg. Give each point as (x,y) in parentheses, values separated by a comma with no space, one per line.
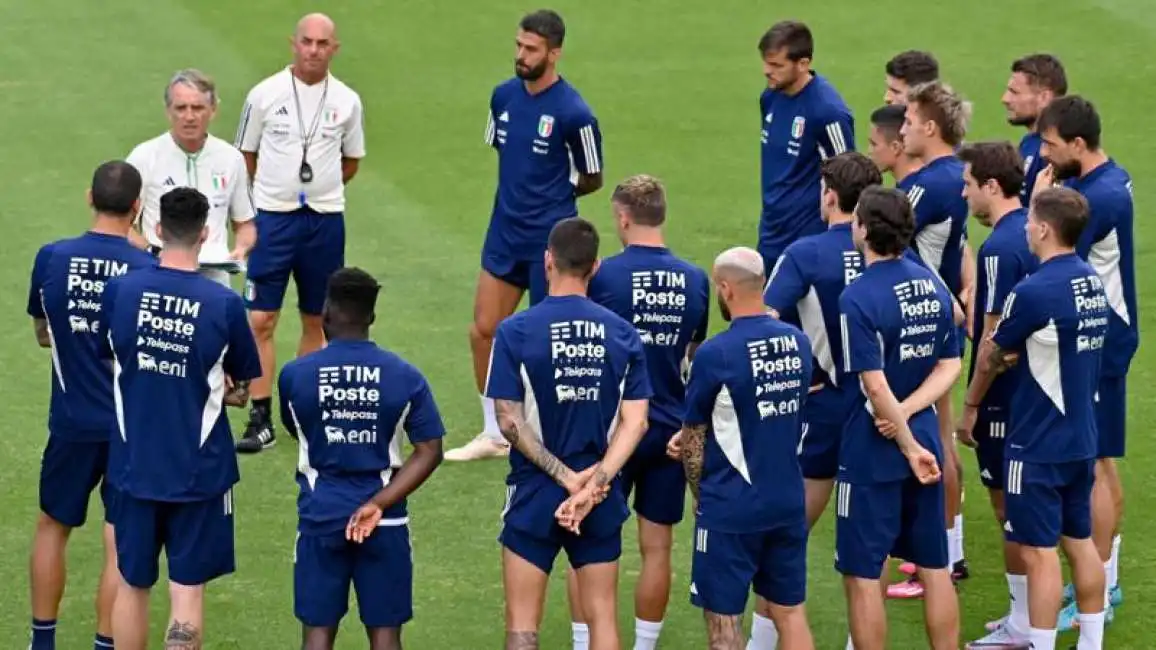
(494,301)
(525,588)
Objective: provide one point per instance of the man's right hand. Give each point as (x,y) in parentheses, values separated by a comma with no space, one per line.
(923,465)
(964,432)
(674,447)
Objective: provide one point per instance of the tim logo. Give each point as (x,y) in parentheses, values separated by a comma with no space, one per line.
(562,336)
(150,301)
(330,375)
(1089,295)
(852,266)
(922,289)
(78,265)
(776,355)
(168,314)
(79,268)
(353,385)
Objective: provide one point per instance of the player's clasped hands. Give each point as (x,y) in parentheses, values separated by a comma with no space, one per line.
(585,493)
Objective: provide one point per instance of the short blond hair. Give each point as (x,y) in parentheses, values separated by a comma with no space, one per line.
(937,102)
(644,199)
(194,79)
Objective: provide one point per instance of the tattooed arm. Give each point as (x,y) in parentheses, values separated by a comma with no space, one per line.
(693,442)
(991,361)
(514,429)
(237,393)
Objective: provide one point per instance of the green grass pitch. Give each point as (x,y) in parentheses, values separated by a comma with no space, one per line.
(675,85)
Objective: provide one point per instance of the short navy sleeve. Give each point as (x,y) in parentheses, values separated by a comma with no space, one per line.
(861,351)
(423,422)
(584,139)
(1003,273)
(104,320)
(505,380)
(284,393)
(787,285)
(1021,317)
(39,269)
(242,361)
(637,382)
(703,387)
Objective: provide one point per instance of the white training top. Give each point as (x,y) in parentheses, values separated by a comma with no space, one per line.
(270,127)
(217,171)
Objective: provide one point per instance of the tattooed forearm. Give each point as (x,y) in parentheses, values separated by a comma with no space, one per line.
(724,632)
(997,360)
(513,429)
(693,442)
(521,641)
(182,636)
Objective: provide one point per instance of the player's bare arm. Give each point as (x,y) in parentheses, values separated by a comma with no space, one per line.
(980,383)
(40,327)
(244,238)
(967,279)
(250,163)
(588,184)
(692,442)
(410,476)
(595,481)
(349,167)
(182,636)
(887,407)
(939,383)
(512,424)
(724,632)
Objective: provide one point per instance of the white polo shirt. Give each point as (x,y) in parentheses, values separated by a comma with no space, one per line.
(271,129)
(217,171)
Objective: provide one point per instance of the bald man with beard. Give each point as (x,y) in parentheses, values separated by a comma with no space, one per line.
(302,136)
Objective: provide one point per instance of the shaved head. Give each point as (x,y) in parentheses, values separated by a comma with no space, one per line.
(738,280)
(740,265)
(314,46)
(318,24)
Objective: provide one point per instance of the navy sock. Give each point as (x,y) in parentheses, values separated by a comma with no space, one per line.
(102,642)
(43,635)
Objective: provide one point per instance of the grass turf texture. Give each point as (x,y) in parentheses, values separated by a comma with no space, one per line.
(675,87)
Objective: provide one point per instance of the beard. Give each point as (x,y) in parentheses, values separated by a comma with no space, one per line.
(722,307)
(527,73)
(1020,120)
(1067,170)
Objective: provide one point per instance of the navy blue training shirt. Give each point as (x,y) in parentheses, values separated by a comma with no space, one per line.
(667,299)
(350,404)
(174,336)
(749,386)
(68,281)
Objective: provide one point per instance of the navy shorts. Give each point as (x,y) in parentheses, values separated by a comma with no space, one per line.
(306,244)
(902,519)
(819,450)
(990,435)
(527,275)
(1044,501)
(380,569)
(530,531)
(727,566)
(657,482)
(197,537)
(69,472)
(1111,412)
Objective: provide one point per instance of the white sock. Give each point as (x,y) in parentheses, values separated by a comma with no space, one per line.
(581,634)
(764,634)
(1018,617)
(1091,631)
(646,634)
(1042,639)
(954,547)
(1114,573)
(490,420)
(959,529)
(850,643)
